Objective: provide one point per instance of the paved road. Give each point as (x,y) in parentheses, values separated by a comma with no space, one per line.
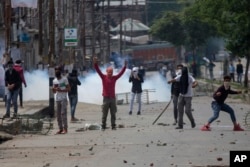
(138,143)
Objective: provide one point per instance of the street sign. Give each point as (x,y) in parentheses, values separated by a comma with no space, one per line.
(70,37)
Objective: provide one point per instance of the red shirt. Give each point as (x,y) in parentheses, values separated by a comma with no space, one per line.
(108,83)
(19,69)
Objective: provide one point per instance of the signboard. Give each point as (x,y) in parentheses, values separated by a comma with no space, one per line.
(70,37)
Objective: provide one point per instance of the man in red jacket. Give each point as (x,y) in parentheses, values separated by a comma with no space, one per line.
(108,93)
(18,67)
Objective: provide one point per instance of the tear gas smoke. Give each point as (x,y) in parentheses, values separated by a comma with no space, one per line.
(90,91)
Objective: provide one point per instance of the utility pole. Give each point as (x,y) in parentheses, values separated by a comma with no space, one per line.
(121,18)
(40,14)
(7,24)
(51,55)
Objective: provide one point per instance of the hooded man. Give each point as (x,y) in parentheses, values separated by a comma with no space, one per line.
(18,67)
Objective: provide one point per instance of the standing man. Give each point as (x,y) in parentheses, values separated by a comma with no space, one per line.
(137,80)
(219,105)
(73,93)
(232,71)
(18,67)
(13,83)
(61,88)
(175,91)
(239,70)
(108,93)
(187,82)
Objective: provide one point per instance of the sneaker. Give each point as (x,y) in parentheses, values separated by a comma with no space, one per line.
(193,124)
(238,128)
(206,128)
(14,115)
(179,127)
(103,128)
(6,116)
(138,113)
(73,119)
(130,113)
(114,128)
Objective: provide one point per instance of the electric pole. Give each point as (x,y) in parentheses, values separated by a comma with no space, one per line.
(51,55)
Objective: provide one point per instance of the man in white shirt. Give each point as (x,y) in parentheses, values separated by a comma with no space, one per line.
(61,88)
(187,82)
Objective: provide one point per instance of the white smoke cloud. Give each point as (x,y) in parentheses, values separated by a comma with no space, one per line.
(90,90)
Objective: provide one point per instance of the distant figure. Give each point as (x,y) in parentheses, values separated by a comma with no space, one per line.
(18,67)
(12,82)
(175,91)
(73,93)
(194,69)
(164,71)
(108,92)
(220,95)
(231,71)
(61,88)
(142,72)
(4,60)
(136,90)
(239,71)
(211,66)
(187,82)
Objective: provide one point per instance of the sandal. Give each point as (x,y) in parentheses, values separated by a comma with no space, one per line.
(59,132)
(64,131)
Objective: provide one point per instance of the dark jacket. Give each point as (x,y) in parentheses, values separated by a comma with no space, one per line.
(73,82)
(13,78)
(136,84)
(239,68)
(224,93)
(175,88)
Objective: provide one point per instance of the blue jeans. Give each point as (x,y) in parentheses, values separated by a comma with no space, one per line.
(221,107)
(73,99)
(12,96)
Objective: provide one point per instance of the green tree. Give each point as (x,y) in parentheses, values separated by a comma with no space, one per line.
(232,20)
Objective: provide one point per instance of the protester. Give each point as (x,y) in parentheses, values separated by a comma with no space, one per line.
(142,72)
(73,93)
(175,91)
(61,88)
(187,82)
(239,71)
(4,60)
(108,93)
(18,67)
(136,90)
(13,83)
(220,95)
(231,71)
(211,66)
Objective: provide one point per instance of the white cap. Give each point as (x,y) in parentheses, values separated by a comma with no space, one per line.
(135,69)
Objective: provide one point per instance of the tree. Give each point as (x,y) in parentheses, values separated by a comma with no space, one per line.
(232,20)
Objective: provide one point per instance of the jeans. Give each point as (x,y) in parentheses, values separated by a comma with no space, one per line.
(221,107)
(12,96)
(132,101)
(73,99)
(175,103)
(239,77)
